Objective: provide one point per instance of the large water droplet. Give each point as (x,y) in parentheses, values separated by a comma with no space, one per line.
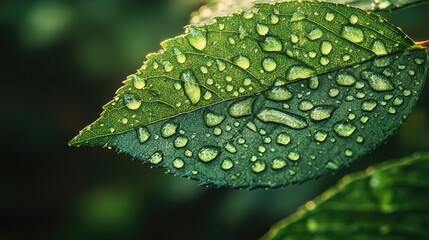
(271,44)
(279,94)
(131,101)
(353,34)
(345,79)
(191,87)
(181,142)
(212,119)
(156,158)
(139,82)
(377,81)
(321,112)
(208,154)
(344,129)
(169,129)
(197,38)
(242,108)
(315,34)
(269,64)
(326,47)
(287,119)
(242,62)
(379,48)
(299,72)
(262,29)
(143,134)
(258,166)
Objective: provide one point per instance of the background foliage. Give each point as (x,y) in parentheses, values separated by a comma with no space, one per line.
(63,60)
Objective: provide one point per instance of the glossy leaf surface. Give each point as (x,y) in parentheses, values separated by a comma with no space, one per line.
(266,98)
(389,201)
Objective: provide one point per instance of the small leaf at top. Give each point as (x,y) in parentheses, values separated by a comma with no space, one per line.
(266,98)
(389,201)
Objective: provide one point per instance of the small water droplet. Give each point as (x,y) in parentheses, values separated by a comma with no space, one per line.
(248,15)
(208,95)
(242,108)
(220,65)
(369,105)
(294,38)
(315,34)
(329,16)
(359,139)
(287,119)
(139,82)
(305,105)
(131,102)
(320,136)
(168,67)
(297,17)
(169,129)
(191,87)
(208,154)
(353,34)
(180,57)
(353,19)
(278,164)
(283,139)
(332,165)
(156,158)
(274,19)
(321,112)
(299,72)
(364,119)
(188,153)
(314,83)
(279,94)
(230,148)
(242,62)
(258,166)
(293,156)
(346,57)
(344,129)
(197,38)
(269,64)
(326,47)
(227,164)
(398,101)
(348,153)
(262,29)
(178,163)
(419,61)
(345,79)
(272,44)
(143,134)
(212,119)
(324,61)
(377,81)
(379,48)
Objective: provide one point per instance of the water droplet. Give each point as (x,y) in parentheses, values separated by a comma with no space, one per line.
(315,34)
(320,136)
(345,79)
(359,139)
(220,65)
(321,112)
(329,17)
(221,26)
(297,17)
(332,166)
(258,166)
(139,82)
(353,19)
(230,148)
(411,72)
(278,164)
(262,149)
(419,61)
(197,38)
(181,142)
(406,93)
(217,131)
(262,29)
(181,58)
(398,101)
(279,94)
(242,108)
(293,156)
(242,62)
(271,44)
(208,154)
(287,119)
(346,57)
(364,119)
(326,47)
(168,67)
(377,81)
(294,38)
(248,15)
(156,158)
(178,163)
(379,48)
(274,19)
(312,54)
(169,129)
(188,153)
(324,61)
(227,164)
(305,105)
(131,102)
(191,87)
(299,72)
(212,119)
(269,64)
(353,34)
(143,134)
(283,139)
(344,129)
(333,92)
(207,95)
(348,153)
(314,83)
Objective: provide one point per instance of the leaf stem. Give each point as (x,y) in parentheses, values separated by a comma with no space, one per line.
(422,45)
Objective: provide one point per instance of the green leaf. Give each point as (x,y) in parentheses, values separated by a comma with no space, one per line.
(266,98)
(215,8)
(389,201)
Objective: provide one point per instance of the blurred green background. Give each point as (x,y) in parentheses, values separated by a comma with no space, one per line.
(62,60)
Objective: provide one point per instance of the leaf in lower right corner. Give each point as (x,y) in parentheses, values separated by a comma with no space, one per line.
(390,201)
